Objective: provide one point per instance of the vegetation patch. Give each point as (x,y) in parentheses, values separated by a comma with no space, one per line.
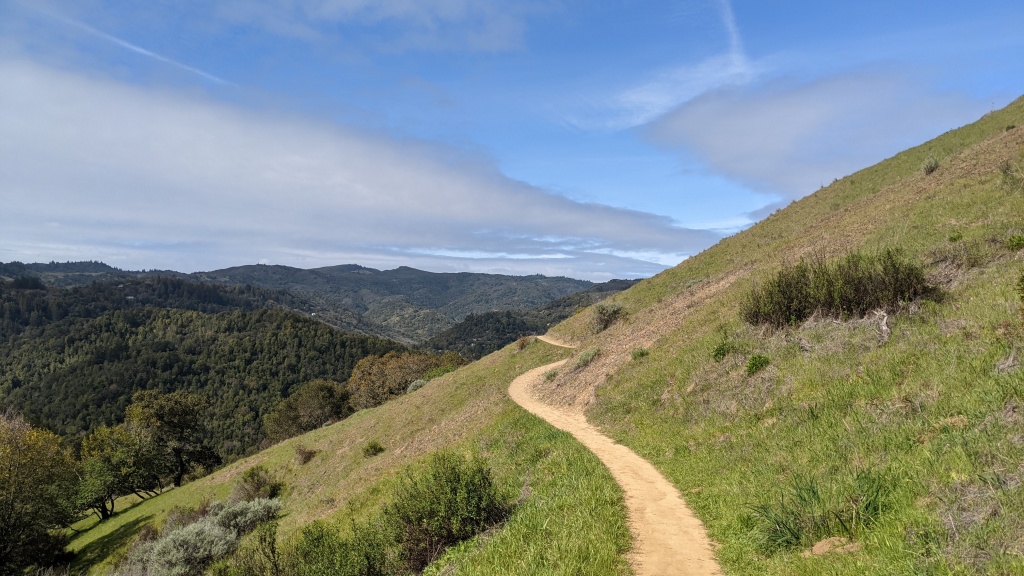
(757,363)
(452,499)
(605,315)
(372,449)
(848,287)
(587,357)
(810,512)
(1015,243)
(639,353)
(930,165)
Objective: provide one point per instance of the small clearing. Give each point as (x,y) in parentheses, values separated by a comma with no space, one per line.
(668,538)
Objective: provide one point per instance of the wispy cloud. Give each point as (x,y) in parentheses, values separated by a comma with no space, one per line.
(127,45)
(667,89)
(121,170)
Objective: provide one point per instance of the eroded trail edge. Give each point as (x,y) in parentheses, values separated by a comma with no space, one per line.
(668,538)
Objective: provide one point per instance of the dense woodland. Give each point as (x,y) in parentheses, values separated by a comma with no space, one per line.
(71,359)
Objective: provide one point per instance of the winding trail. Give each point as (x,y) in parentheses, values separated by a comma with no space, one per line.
(668,538)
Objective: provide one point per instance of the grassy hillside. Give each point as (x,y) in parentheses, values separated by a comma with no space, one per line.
(570,518)
(925,423)
(902,430)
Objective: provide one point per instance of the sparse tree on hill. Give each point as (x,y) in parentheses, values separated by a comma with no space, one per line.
(176,425)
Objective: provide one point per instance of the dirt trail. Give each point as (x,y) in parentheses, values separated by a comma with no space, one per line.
(668,538)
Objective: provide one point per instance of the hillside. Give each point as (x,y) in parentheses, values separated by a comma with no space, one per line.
(404,304)
(480,334)
(71,358)
(900,431)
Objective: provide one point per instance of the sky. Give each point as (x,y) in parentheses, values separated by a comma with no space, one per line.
(595,140)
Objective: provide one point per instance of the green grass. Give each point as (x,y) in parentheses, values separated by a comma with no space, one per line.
(468,411)
(928,411)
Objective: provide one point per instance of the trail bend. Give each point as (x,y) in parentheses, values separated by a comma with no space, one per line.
(668,540)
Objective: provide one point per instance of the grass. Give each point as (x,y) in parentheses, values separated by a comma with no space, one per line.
(927,411)
(562,485)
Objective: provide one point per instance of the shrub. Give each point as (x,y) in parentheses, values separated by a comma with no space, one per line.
(757,363)
(416,385)
(849,287)
(605,315)
(1020,288)
(639,353)
(321,550)
(452,500)
(930,165)
(256,482)
(550,375)
(303,455)
(723,349)
(1012,176)
(187,550)
(586,358)
(1015,243)
(372,448)
(524,342)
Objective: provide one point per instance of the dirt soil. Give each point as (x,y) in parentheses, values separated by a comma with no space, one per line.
(668,538)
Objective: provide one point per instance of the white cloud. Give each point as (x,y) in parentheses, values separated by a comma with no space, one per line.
(97,169)
(789,138)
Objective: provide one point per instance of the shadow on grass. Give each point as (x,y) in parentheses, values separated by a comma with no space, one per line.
(100,549)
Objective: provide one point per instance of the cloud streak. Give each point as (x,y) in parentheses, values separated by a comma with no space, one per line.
(128,45)
(111,171)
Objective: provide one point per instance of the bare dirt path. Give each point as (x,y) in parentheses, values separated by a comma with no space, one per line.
(668,538)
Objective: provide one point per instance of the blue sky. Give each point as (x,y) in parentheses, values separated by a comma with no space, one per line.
(587,139)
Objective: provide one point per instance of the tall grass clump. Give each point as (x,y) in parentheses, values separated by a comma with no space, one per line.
(848,287)
(811,512)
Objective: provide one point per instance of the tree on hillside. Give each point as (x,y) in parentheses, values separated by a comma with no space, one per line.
(309,407)
(376,379)
(38,483)
(116,462)
(175,422)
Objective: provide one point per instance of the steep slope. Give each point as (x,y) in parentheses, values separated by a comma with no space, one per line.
(569,518)
(911,420)
(915,412)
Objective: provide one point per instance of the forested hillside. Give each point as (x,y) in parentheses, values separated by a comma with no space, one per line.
(480,334)
(71,359)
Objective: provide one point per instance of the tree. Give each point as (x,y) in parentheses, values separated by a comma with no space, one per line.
(38,484)
(116,462)
(377,379)
(309,407)
(175,422)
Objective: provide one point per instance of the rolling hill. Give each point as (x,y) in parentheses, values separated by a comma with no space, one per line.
(896,437)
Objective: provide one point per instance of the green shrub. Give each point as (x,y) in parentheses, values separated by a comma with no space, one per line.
(757,363)
(256,482)
(550,375)
(810,514)
(452,500)
(1012,176)
(639,353)
(372,448)
(844,288)
(188,550)
(723,349)
(1020,288)
(322,550)
(930,165)
(586,358)
(1015,243)
(416,385)
(605,315)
